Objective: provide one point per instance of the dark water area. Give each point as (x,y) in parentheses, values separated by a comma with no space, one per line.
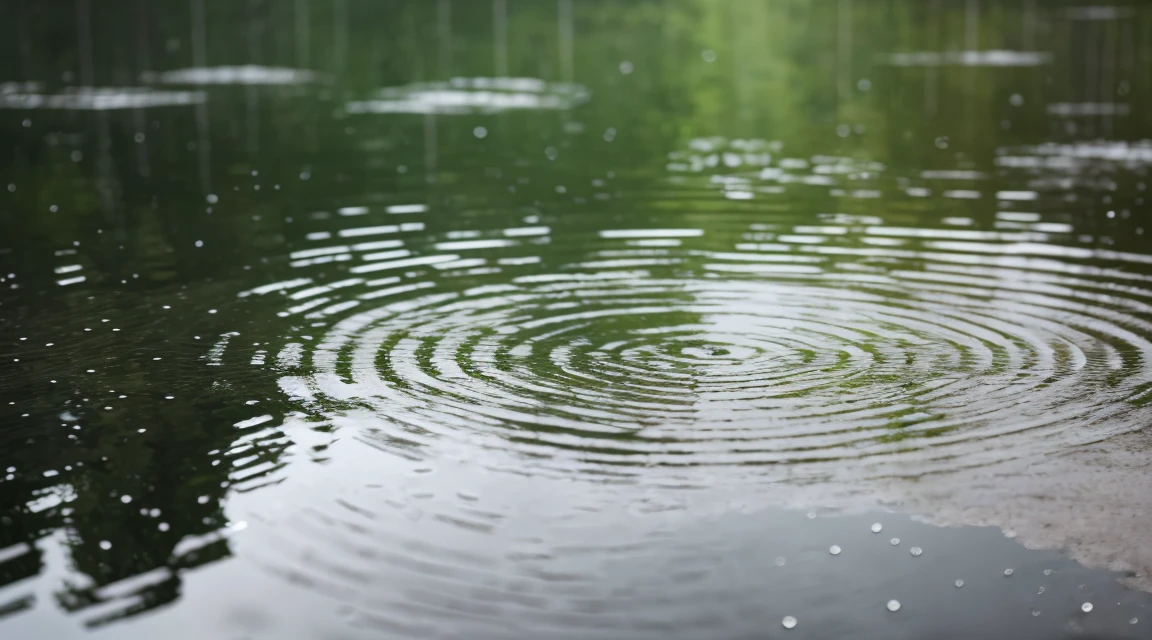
(575,319)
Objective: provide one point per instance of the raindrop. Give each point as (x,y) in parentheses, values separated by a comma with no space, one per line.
(708,55)
(1008,572)
(1016,100)
(1035,612)
(789,622)
(126,499)
(834,549)
(893,605)
(1040,591)
(942,142)
(1047,572)
(877,527)
(199,243)
(551,152)
(781,561)
(609,134)
(843,130)
(916,551)
(139,137)
(1086,607)
(105,545)
(1134,621)
(894,541)
(864,85)
(77,156)
(212,198)
(959,583)
(625,67)
(480,132)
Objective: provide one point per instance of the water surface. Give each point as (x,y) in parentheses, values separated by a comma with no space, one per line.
(578,319)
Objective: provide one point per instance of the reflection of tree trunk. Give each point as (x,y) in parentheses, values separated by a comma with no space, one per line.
(1029,25)
(200,59)
(84,42)
(303,27)
(444,36)
(844,50)
(339,35)
(564,20)
(500,37)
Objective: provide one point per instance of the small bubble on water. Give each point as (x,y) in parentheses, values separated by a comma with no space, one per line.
(1134,621)
(916,551)
(894,541)
(781,561)
(480,132)
(105,545)
(212,198)
(788,622)
(139,137)
(843,130)
(1016,100)
(864,84)
(893,605)
(626,67)
(834,549)
(126,499)
(1086,607)
(877,527)
(202,499)
(811,515)
(1035,612)
(199,243)
(959,583)
(942,142)
(1047,572)
(708,55)
(1008,572)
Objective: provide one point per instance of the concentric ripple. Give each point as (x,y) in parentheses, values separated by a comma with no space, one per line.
(771,340)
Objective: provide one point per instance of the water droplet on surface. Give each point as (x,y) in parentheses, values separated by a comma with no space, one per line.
(877,527)
(781,561)
(916,551)
(1016,100)
(893,605)
(959,583)
(105,545)
(894,541)
(480,132)
(1035,612)
(843,130)
(1008,572)
(708,55)
(1086,607)
(811,515)
(864,84)
(626,67)
(788,622)
(1047,572)
(834,549)
(1134,621)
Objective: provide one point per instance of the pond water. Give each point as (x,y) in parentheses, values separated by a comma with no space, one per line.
(575,319)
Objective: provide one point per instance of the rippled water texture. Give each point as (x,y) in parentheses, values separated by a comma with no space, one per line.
(575,319)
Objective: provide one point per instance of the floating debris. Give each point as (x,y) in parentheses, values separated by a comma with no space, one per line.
(473,95)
